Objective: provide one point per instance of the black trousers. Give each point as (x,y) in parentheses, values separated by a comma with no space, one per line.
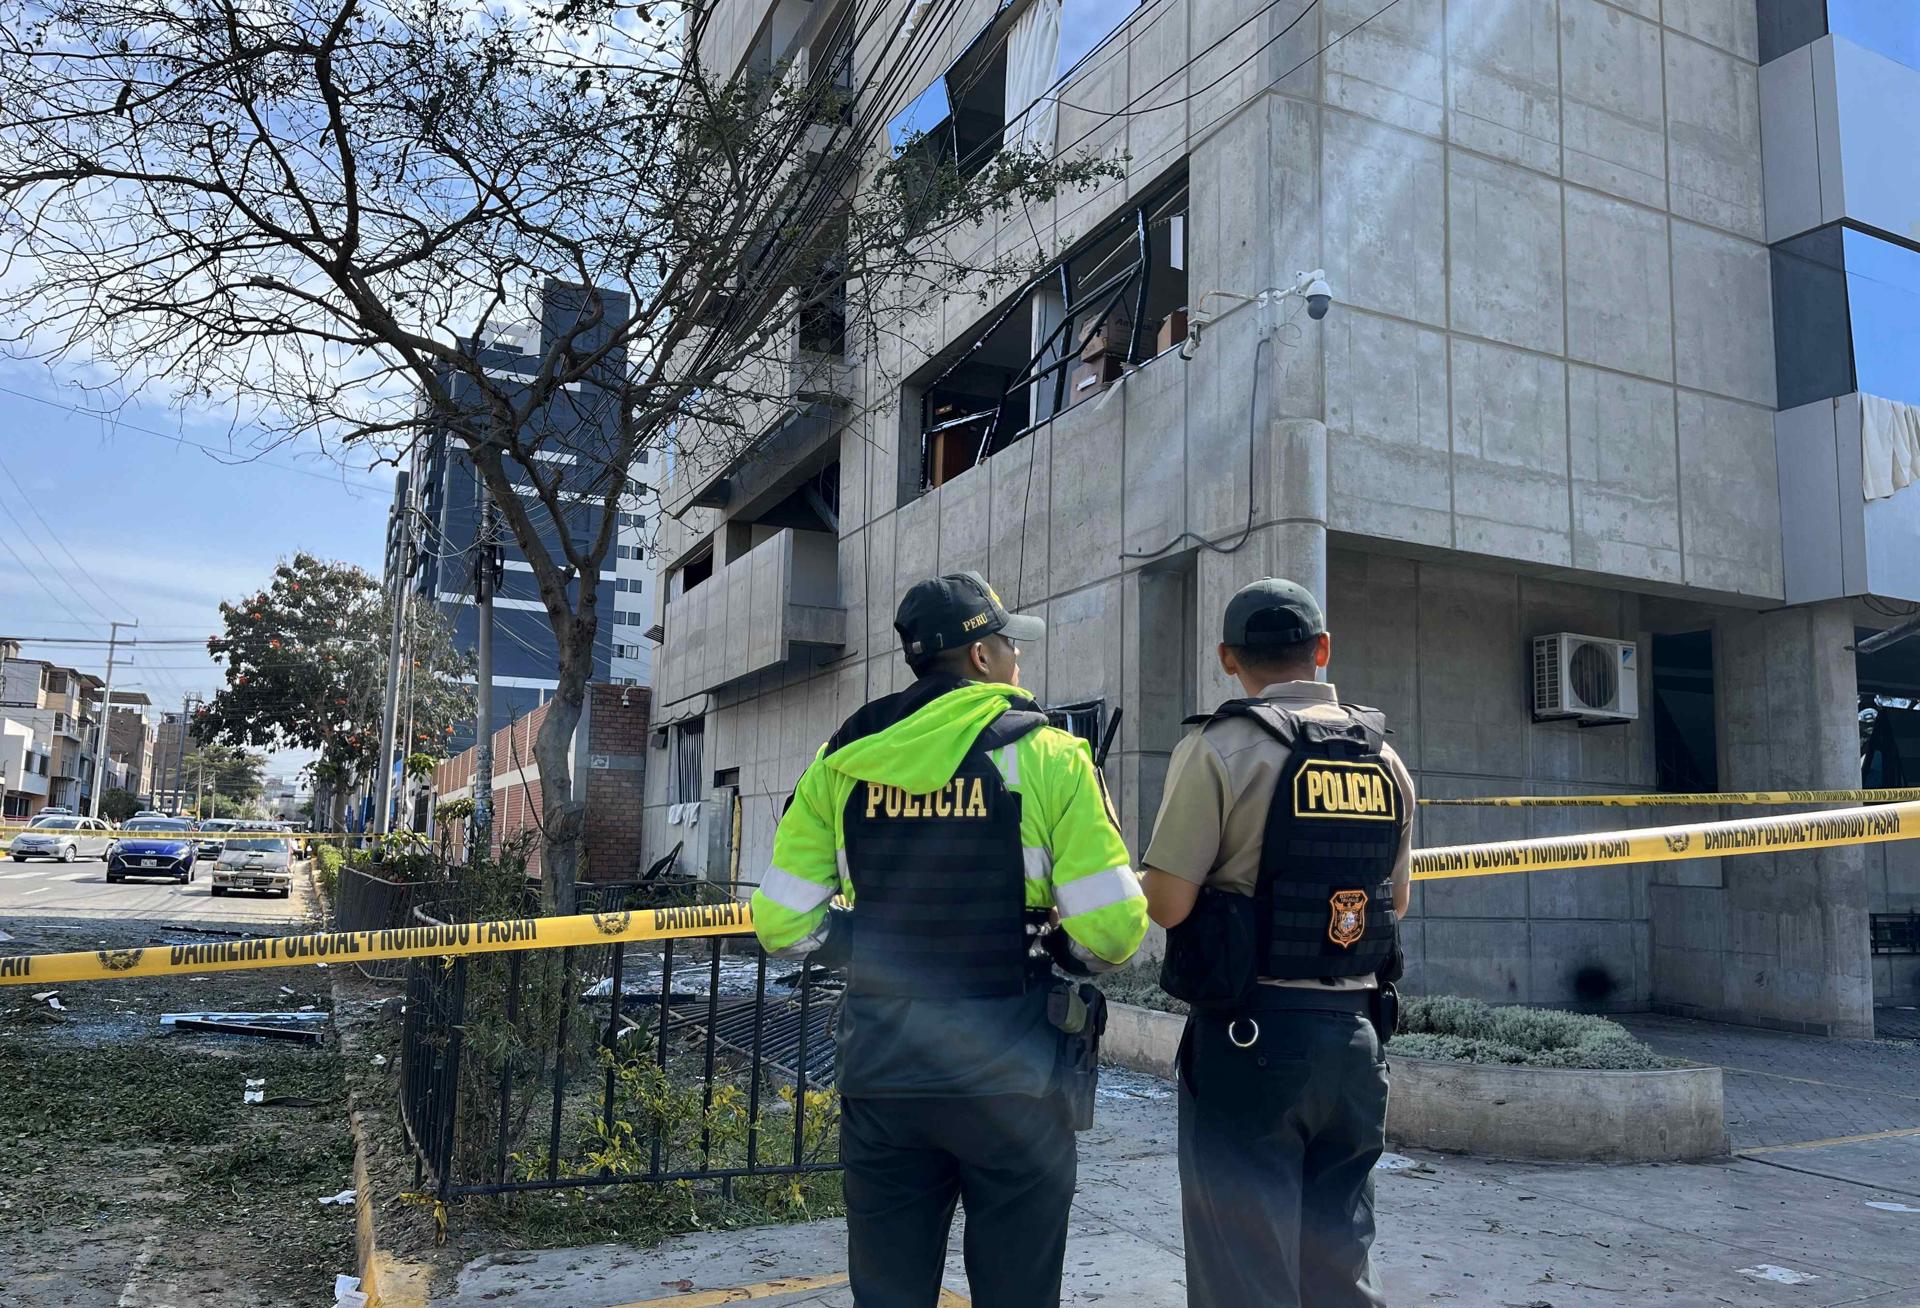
(1011,1159)
(1277,1145)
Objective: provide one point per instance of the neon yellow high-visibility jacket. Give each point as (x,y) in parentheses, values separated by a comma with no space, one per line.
(1075,858)
(1072,858)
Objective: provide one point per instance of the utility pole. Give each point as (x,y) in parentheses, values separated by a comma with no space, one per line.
(180,758)
(485,577)
(390,710)
(106,716)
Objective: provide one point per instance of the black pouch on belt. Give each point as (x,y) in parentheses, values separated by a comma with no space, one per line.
(1079,1010)
(1385,1011)
(1212,958)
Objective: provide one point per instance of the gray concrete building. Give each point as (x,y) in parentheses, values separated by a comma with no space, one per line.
(1548,400)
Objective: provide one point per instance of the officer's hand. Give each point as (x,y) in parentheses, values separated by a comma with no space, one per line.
(1060,949)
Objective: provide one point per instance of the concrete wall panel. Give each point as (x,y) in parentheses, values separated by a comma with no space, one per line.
(1615,112)
(1504,239)
(1388,464)
(1391,69)
(1729,512)
(1626,492)
(1503,82)
(1386,215)
(1510,454)
(1722,314)
(1713,122)
(1729,24)
(1619,286)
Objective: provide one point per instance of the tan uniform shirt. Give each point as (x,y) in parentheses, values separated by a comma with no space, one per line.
(1214,813)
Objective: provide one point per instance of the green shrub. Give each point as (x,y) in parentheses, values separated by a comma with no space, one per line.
(1460,1030)
(326,867)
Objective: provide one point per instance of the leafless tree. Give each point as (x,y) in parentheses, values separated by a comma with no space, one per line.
(329,215)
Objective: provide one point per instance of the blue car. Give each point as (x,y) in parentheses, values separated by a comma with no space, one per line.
(153,847)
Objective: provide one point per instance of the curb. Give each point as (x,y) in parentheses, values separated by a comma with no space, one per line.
(386,1281)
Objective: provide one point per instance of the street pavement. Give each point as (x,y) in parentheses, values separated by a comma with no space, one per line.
(44,889)
(1467,1231)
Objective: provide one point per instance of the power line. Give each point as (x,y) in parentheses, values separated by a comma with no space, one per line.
(222,457)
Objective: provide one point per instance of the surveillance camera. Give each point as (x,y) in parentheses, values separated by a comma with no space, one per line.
(1319,295)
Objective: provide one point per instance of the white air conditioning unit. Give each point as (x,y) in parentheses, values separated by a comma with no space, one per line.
(1588,678)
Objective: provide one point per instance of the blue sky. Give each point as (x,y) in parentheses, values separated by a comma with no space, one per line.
(166,530)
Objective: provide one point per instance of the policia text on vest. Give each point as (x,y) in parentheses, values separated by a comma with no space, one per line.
(956,822)
(1279,858)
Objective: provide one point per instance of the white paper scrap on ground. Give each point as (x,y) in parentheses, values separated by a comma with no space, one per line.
(1392,1162)
(255,1082)
(344,1197)
(253,1096)
(1887,1207)
(379,1060)
(1778,1275)
(347,1292)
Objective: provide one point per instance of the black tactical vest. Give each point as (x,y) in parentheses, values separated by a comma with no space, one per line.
(1325,893)
(939,881)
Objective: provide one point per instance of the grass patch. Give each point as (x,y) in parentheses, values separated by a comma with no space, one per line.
(1451,1029)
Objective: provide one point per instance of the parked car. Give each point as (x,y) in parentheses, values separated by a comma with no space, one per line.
(153,847)
(56,810)
(212,832)
(263,863)
(63,837)
(149,813)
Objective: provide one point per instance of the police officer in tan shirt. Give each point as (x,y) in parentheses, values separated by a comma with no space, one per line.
(1280,865)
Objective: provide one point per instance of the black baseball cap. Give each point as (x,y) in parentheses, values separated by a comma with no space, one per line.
(1272,611)
(949,612)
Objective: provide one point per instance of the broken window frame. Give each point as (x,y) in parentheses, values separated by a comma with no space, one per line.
(1050,362)
(915,128)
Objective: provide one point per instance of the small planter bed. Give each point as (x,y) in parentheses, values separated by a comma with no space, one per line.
(1498,1082)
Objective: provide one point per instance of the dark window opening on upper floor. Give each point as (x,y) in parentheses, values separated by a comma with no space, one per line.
(696,571)
(1685,737)
(1072,332)
(960,120)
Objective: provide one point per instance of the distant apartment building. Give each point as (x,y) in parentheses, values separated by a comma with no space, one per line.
(173,741)
(25,767)
(131,741)
(57,704)
(1595,460)
(445,524)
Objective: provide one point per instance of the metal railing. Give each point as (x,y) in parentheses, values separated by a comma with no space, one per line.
(365,902)
(677,1061)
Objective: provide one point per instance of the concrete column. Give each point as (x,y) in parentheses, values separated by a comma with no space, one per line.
(1789,947)
(1291,540)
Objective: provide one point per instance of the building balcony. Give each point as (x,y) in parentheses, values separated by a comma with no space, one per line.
(789,402)
(773,604)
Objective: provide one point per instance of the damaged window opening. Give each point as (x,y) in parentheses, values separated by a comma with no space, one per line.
(960,120)
(1085,719)
(1070,334)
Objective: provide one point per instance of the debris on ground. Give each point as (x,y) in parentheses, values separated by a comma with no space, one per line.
(1887,1206)
(51,998)
(344,1197)
(302,1026)
(347,1292)
(1778,1275)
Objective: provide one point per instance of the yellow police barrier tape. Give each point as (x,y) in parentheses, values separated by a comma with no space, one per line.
(1765,835)
(149,833)
(1905,795)
(1649,845)
(371,946)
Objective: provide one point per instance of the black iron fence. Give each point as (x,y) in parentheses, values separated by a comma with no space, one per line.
(698,1060)
(365,901)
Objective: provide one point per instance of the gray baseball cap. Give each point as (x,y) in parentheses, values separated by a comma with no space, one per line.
(1272,611)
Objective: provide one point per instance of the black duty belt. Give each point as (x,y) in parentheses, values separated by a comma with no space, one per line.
(1268,999)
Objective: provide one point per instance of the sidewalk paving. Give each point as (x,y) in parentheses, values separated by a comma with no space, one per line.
(1743,1231)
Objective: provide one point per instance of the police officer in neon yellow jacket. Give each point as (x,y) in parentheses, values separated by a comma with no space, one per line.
(957,825)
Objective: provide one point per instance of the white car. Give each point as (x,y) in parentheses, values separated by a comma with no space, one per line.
(212,834)
(263,863)
(65,838)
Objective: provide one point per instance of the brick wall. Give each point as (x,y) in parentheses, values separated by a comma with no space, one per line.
(613,778)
